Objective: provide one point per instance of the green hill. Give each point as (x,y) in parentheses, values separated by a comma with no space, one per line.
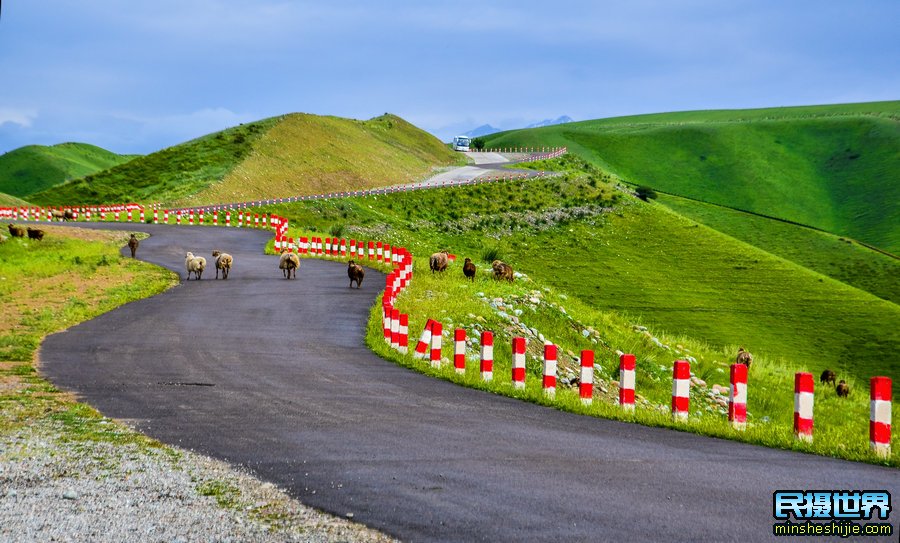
(11,201)
(34,168)
(281,156)
(836,167)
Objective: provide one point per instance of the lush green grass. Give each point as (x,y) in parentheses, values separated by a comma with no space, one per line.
(282,156)
(34,168)
(839,258)
(531,308)
(637,259)
(46,287)
(833,167)
(11,201)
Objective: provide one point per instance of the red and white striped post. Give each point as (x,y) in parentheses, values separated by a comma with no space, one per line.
(803,406)
(87,215)
(386,320)
(352,248)
(200,216)
(681,389)
(880,415)
(290,246)
(117,216)
(327,246)
(256,220)
(142,216)
(191,218)
(155,216)
(737,401)
(379,251)
(549,381)
(343,248)
(459,350)
(626,381)
(215,218)
(586,379)
(129,216)
(518,362)
(403,345)
(395,327)
(437,330)
(424,341)
(371,250)
(228,218)
(387,253)
(487,355)
(166,216)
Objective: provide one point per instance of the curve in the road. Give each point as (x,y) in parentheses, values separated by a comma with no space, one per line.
(297,397)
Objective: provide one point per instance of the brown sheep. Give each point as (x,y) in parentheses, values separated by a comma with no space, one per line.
(502,270)
(56,215)
(843,389)
(287,263)
(223,262)
(439,261)
(744,357)
(828,376)
(356,273)
(16,231)
(469,269)
(68,215)
(133,245)
(35,233)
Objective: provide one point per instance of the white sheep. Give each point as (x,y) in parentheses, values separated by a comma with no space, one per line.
(288,262)
(195,264)
(223,262)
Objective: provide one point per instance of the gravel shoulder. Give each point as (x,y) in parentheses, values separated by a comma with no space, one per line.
(55,488)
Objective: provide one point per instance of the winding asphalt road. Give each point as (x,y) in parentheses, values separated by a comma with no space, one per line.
(273,374)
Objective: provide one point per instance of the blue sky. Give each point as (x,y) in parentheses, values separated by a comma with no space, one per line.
(135,77)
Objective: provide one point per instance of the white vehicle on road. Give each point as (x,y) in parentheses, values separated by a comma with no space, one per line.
(461,143)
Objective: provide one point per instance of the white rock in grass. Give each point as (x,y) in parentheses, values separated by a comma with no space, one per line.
(585,333)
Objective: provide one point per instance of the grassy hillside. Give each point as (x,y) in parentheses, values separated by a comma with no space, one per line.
(833,167)
(9,201)
(582,238)
(282,156)
(839,258)
(34,168)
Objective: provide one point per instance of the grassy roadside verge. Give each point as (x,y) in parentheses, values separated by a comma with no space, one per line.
(65,468)
(583,249)
(69,277)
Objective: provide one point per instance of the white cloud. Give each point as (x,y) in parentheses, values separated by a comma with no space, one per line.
(21,117)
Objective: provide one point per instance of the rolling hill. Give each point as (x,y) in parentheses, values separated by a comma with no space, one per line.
(33,168)
(281,156)
(836,168)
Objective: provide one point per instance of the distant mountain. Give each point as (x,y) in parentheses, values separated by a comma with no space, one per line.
(548,122)
(482,130)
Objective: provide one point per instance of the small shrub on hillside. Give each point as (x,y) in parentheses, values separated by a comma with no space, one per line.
(646,193)
(337,230)
(491,254)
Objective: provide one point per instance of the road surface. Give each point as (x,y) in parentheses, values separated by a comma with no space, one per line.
(273,374)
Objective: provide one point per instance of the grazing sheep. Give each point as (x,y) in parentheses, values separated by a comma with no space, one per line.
(195,265)
(469,269)
(828,376)
(744,357)
(16,231)
(68,215)
(843,389)
(289,262)
(223,262)
(133,245)
(356,273)
(438,261)
(56,215)
(502,270)
(35,233)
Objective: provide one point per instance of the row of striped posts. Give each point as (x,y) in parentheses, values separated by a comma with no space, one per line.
(429,346)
